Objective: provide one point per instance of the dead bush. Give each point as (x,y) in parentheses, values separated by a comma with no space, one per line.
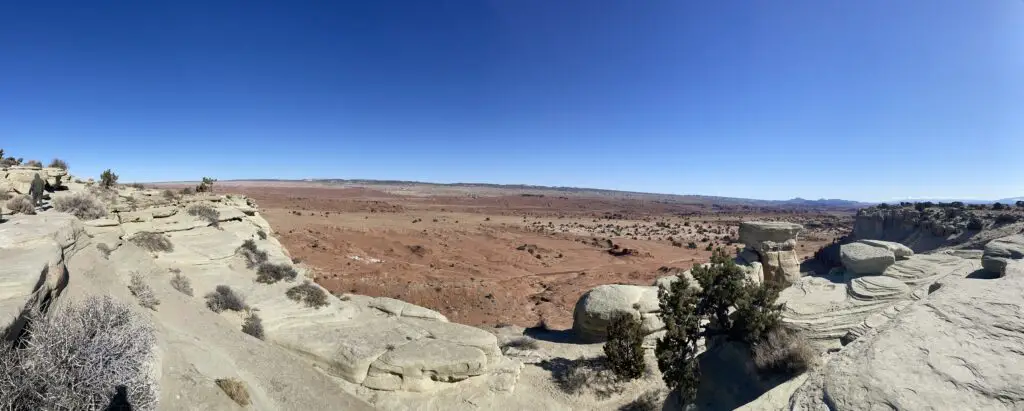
(181,283)
(224,298)
(78,358)
(310,294)
(784,352)
(143,292)
(81,204)
(253,325)
(649,401)
(522,343)
(253,256)
(153,241)
(269,273)
(205,212)
(585,374)
(235,390)
(21,204)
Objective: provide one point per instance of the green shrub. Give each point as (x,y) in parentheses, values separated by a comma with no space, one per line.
(310,294)
(108,179)
(624,347)
(206,186)
(269,273)
(692,315)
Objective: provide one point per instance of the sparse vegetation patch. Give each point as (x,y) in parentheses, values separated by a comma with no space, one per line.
(308,293)
(81,204)
(224,298)
(153,241)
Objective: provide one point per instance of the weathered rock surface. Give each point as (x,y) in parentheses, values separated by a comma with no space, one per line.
(756,232)
(781,267)
(865,259)
(899,250)
(998,253)
(773,244)
(958,349)
(596,308)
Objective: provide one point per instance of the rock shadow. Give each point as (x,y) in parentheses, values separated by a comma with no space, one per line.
(982,274)
(555,336)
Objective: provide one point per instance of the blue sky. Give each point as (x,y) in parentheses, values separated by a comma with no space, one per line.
(865,100)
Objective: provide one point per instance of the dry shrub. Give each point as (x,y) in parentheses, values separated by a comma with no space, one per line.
(181,283)
(143,292)
(34,163)
(21,204)
(310,294)
(593,374)
(78,358)
(170,195)
(104,249)
(58,163)
(253,256)
(153,241)
(224,298)
(205,212)
(649,401)
(235,389)
(82,205)
(522,343)
(262,234)
(784,352)
(253,325)
(269,273)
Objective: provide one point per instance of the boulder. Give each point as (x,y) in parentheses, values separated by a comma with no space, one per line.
(1000,251)
(596,308)
(865,259)
(20,179)
(753,233)
(899,250)
(962,348)
(781,267)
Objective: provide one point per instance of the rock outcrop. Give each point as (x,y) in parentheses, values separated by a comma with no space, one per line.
(998,253)
(596,308)
(774,244)
(960,348)
(865,259)
(900,251)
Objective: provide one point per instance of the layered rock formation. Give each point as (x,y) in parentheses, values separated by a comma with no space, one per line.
(774,245)
(1001,252)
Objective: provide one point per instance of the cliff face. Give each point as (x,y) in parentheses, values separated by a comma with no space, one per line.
(925,230)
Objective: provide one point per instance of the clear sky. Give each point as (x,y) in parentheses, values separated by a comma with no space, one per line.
(864,100)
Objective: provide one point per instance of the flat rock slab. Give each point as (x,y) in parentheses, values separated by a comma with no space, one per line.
(753,233)
(865,259)
(962,348)
(416,365)
(1000,251)
(899,250)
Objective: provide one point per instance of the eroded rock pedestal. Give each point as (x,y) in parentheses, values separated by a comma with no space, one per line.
(773,243)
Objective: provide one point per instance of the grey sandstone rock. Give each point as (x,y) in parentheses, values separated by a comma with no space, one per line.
(1001,251)
(596,308)
(866,259)
(899,250)
(754,233)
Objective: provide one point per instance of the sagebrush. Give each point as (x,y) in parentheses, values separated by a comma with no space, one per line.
(253,256)
(586,374)
(783,352)
(253,325)
(205,212)
(21,204)
(143,292)
(78,358)
(153,241)
(235,390)
(308,293)
(181,283)
(269,273)
(81,204)
(58,163)
(224,298)
(522,343)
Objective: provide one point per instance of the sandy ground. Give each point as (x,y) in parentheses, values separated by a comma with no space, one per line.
(497,259)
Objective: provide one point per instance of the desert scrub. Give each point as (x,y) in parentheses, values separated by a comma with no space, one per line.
(108,179)
(783,352)
(269,273)
(143,292)
(224,298)
(310,294)
(34,163)
(522,343)
(76,359)
(253,325)
(58,163)
(181,283)
(235,390)
(81,204)
(261,234)
(104,250)
(648,401)
(253,256)
(205,212)
(584,374)
(624,347)
(21,204)
(153,241)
